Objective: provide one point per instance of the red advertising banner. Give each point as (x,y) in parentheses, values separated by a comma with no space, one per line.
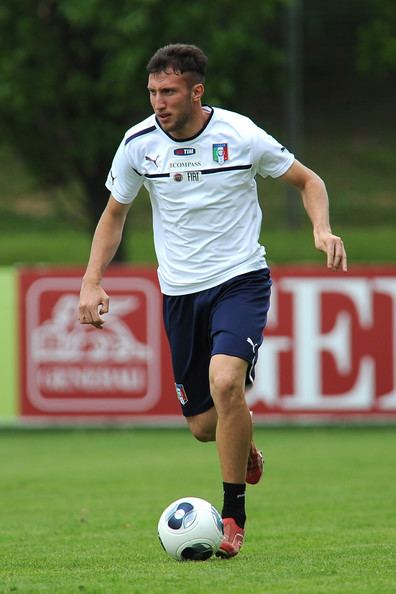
(70,370)
(330,345)
(329,349)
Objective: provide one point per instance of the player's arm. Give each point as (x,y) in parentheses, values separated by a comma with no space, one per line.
(107,237)
(314,195)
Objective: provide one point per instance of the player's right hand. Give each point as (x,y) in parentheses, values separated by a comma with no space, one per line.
(94,302)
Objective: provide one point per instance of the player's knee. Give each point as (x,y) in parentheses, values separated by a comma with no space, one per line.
(202,431)
(228,394)
(226,387)
(201,434)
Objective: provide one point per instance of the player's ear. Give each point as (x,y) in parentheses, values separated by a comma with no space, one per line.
(197,91)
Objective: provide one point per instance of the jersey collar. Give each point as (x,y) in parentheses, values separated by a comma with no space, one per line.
(195,135)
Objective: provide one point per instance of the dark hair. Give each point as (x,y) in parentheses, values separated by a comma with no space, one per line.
(179,57)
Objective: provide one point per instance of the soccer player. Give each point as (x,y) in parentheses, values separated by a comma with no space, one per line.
(199,164)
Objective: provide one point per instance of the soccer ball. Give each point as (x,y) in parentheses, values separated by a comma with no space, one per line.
(190,529)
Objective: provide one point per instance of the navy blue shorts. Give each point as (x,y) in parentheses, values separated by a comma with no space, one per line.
(228,319)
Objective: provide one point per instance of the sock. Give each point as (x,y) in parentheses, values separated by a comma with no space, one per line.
(234,503)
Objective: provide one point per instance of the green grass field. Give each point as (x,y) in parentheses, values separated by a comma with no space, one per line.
(80,508)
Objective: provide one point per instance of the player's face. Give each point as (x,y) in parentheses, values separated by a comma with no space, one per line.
(174,102)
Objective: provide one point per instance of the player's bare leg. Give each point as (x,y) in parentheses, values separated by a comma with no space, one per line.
(230,423)
(234,426)
(233,439)
(203,427)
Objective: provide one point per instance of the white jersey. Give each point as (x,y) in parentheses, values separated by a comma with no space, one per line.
(206,215)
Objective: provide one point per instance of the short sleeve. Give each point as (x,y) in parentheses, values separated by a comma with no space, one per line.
(123,181)
(270,157)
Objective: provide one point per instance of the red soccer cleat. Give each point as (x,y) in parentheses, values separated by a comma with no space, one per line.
(233,539)
(255,466)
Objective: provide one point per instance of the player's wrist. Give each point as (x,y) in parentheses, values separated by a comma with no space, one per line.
(91,281)
(321,230)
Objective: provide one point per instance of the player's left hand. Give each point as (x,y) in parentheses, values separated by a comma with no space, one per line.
(333,247)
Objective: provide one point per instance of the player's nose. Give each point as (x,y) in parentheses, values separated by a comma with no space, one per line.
(158,103)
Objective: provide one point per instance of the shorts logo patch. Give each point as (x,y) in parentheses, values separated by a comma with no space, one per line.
(220,152)
(181,394)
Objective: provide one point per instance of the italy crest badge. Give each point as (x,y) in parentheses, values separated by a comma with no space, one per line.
(220,152)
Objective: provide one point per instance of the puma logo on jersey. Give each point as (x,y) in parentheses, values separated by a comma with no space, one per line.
(152,160)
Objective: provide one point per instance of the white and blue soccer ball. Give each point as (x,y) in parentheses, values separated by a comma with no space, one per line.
(190,529)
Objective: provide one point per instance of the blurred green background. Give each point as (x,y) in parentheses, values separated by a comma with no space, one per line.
(317,75)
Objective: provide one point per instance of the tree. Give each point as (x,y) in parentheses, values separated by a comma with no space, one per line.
(72,74)
(376,48)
